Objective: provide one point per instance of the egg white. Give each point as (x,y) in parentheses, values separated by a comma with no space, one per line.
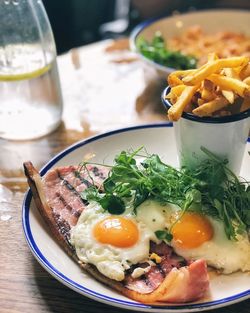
(111,261)
(226,255)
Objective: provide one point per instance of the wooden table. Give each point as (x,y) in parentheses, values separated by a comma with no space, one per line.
(102,90)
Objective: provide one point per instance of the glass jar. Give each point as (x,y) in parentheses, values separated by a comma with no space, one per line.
(30,95)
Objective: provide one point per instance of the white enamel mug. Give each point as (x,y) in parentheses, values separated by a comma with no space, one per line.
(224,136)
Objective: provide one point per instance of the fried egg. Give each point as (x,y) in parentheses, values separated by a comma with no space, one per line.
(111,242)
(196,236)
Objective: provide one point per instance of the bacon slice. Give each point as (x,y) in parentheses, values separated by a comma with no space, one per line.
(57,197)
(185,284)
(151,280)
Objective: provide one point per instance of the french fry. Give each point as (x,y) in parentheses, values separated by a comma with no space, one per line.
(207,92)
(207,84)
(174,78)
(247,81)
(175,91)
(207,95)
(245,72)
(246,102)
(213,67)
(229,95)
(245,105)
(182,73)
(212,89)
(188,108)
(208,108)
(230,72)
(231,84)
(175,112)
(200,101)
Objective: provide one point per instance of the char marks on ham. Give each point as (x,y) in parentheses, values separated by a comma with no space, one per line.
(63,187)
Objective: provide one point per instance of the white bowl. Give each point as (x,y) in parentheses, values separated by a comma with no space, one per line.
(211,21)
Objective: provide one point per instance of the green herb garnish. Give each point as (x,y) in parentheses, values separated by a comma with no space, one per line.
(210,189)
(164,235)
(157,51)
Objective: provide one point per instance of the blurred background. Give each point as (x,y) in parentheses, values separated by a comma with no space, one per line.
(80,22)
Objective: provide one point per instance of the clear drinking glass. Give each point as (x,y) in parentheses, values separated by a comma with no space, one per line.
(30,95)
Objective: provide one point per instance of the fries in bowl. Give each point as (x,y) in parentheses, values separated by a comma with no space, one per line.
(218,88)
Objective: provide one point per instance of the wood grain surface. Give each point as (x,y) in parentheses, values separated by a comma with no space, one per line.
(24,285)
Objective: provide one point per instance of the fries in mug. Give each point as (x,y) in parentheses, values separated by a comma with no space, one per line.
(218,88)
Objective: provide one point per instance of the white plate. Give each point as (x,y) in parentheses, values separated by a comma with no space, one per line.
(158,138)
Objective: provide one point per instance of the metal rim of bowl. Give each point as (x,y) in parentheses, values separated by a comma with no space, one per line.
(132,42)
(214,120)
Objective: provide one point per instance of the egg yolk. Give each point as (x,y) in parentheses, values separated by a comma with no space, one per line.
(191,231)
(116,231)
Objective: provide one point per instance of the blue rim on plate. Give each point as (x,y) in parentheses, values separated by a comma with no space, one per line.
(88,292)
(212,120)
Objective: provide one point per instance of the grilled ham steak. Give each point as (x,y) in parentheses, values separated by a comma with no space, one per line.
(57,196)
